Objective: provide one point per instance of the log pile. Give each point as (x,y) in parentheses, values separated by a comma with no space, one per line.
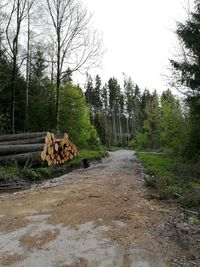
(36,147)
(57,151)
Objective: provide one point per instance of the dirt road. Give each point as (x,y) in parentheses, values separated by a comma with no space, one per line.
(95,217)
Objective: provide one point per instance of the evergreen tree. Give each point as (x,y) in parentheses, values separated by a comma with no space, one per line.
(41,95)
(149,136)
(89,93)
(187,74)
(97,94)
(114,92)
(67,77)
(172,123)
(104,98)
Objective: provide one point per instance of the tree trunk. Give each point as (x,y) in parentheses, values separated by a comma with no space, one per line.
(58,82)
(127,127)
(27,73)
(18,149)
(13,95)
(20,158)
(35,140)
(14,137)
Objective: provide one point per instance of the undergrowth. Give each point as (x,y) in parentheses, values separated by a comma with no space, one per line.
(171,178)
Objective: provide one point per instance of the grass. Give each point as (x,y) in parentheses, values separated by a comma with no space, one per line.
(40,173)
(170,178)
(7,172)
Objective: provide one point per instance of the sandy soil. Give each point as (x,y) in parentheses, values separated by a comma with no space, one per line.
(95,217)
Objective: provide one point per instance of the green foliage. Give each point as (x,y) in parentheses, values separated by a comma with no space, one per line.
(41,96)
(4,123)
(7,172)
(192,143)
(6,96)
(149,137)
(74,116)
(172,123)
(141,141)
(164,126)
(187,70)
(187,76)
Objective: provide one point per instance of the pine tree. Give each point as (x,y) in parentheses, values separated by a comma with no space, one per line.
(114,91)
(97,94)
(172,123)
(187,74)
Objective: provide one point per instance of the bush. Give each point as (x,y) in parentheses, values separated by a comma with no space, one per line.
(141,141)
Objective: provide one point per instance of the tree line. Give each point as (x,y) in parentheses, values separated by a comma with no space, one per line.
(146,120)
(42,43)
(129,117)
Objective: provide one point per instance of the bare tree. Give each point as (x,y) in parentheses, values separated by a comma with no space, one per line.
(76,47)
(30,5)
(3,4)
(16,11)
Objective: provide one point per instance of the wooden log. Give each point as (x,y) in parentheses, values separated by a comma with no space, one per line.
(48,135)
(66,137)
(53,137)
(46,140)
(43,156)
(20,158)
(19,149)
(49,163)
(56,147)
(21,136)
(49,150)
(45,149)
(53,150)
(37,140)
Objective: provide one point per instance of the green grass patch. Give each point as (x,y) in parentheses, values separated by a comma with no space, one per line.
(7,172)
(172,179)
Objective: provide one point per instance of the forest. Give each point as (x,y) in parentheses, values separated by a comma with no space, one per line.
(39,56)
(37,92)
(101,172)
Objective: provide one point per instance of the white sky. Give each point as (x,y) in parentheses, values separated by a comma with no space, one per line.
(138,38)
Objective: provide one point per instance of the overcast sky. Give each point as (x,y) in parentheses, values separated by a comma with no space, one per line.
(138,38)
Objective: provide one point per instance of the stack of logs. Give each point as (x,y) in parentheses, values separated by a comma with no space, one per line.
(57,151)
(36,147)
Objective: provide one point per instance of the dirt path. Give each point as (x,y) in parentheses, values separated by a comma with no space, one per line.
(95,217)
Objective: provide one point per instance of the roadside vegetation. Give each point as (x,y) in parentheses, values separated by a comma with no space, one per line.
(171,128)
(16,176)
(172,179)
